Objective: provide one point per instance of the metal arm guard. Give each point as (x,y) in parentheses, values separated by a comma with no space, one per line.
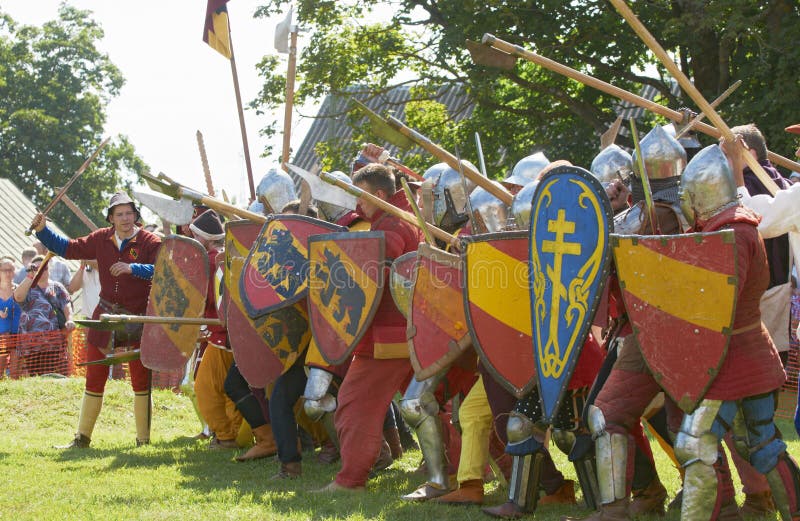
(696,449)
(420,410)
(318,401)
(611,453)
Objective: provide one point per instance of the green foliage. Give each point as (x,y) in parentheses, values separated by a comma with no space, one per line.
(421,43)
(55,86)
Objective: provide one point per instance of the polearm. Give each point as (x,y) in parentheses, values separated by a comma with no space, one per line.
(149,319)
(622,94)
(388,208)
(72,180)
(697,119)
(451,160)
(420,220)
(287,113)
(204,161)
(648,193)
(242,128)
(78,212)
(692,91)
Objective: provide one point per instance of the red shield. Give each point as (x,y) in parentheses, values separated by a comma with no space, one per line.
(179,289)
(680,294)
(256,363)
(345,288)
(437,325)
(275,274)
(498,309)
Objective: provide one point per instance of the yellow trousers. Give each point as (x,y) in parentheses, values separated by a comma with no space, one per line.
(217,409)
(476,425)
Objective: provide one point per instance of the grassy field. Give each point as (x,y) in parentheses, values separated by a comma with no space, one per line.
(178,478)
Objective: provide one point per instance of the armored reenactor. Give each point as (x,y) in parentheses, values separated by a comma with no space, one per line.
(742,396)
(125,254)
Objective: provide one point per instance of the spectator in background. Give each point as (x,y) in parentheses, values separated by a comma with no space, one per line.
(59,270)
(27,256)
(88,279)
(41,306)
(9,312)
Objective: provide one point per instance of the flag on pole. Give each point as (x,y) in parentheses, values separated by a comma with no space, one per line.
(217,31)
(282,31)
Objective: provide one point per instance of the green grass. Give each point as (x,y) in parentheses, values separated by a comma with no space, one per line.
(178,478)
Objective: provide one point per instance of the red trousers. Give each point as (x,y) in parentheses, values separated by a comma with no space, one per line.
(97,375)
(364,397)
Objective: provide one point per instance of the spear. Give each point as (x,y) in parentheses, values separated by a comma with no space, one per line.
(648,194)
(149,319)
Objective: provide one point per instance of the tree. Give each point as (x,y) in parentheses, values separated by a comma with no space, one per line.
(55,86)
(528,108)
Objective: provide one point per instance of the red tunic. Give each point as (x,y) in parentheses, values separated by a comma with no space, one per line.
(389,325)
(127,291)
(752,365)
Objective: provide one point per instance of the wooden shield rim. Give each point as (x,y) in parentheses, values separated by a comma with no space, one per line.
(602,278)
(373,309)
(487,237)
(680,401)
(456,347)
(248,306)
(145,354)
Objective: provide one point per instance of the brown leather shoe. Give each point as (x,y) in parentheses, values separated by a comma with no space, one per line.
(565,495)
(469,492)
(426,492)
(335,487)
(649,500)
(616,511)
(758,505)
(264,447)
(508,510)
(384,460)
(291,470)
(328,453)
(78,442)
(218,444)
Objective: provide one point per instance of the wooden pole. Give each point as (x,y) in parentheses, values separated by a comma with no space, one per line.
(78,212)
(622,94)
(420,220)
(443,155)
(242,128)
(291,73)
(204,161)
(220,206)
(692,91)
(145,319)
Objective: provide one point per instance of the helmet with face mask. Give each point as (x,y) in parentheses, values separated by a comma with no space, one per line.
(332,211)
(612,163)
(707,185)
(527,169)
(275,190)
(450,193)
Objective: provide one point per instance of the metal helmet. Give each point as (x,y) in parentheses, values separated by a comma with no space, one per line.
(333,211)
(450,194)
(527,169)
(521,206)
(707,185)
(275,190)
(611,161)
(663,156)
(488,209)
(257,207)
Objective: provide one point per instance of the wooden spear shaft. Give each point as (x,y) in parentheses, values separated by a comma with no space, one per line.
(204,161)
(242,127)
(78,212)
(145,319)
(445,156)
(291,73)
(692,91)
(622,94)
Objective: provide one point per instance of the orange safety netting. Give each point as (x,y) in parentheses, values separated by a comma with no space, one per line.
(59,353)
(787,398)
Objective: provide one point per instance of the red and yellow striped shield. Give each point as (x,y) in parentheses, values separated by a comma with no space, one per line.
(437,324)
(257,364)
(275,274)
(498,309)
(179,289)
(680,294)
(345,287)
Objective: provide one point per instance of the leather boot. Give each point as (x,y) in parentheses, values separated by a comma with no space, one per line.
(616,511)
(384,460)
(469,492)
(328,453)
(758,505)
(291,470)
(79,442)
(508,510)
(649,500)
(392,437)
(264,447)
(565,495)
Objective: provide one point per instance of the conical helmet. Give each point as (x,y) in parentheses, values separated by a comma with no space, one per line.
(521,206)
(488,209)
(275,190)
(527,169)
(611,161)
(663,156)
(707,185)
(333,211)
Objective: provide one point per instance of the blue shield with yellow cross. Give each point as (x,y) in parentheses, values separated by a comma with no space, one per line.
(571,220)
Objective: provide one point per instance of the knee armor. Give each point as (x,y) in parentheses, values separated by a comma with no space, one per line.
(611,453)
